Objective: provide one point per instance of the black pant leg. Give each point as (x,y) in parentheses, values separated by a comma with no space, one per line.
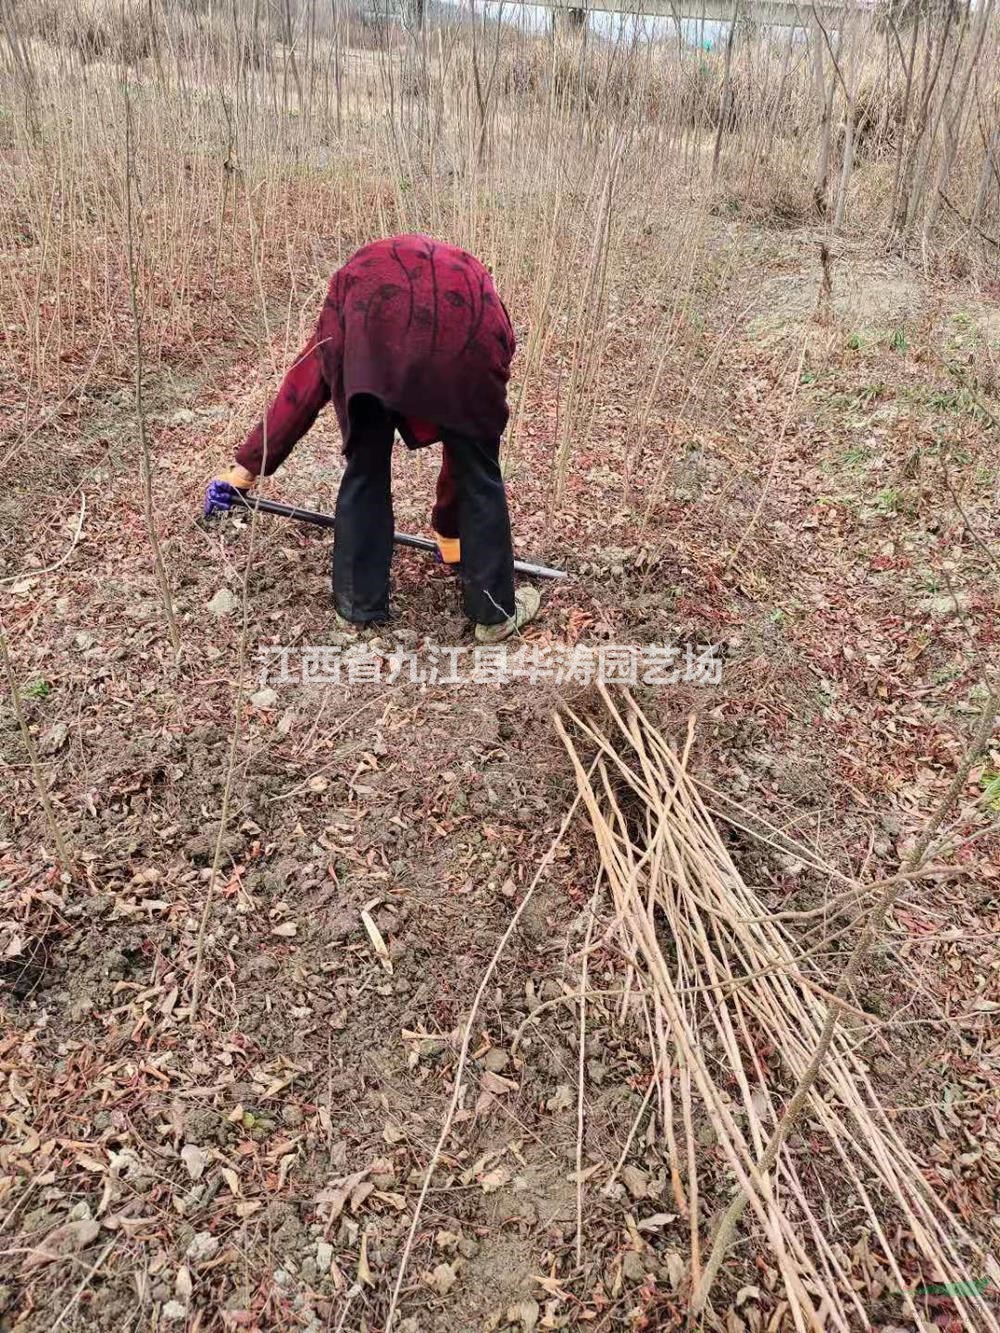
(483,528)
(444,515)
(362,547)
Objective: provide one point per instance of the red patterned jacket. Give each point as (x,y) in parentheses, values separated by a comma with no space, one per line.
(418,324)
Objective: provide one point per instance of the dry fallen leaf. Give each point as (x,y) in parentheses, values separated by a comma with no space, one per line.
(676,1268)
(194,1159)
(443,1278)
(360,1193)
(495,1179)
(551,1286)
(524,1313)
(394,1200)
(561,1100)
(578,1177)
(636,1181)
(748,1294)
(378,943)
(364,1272)
(183,1285)
(64,1241)
(494,1083)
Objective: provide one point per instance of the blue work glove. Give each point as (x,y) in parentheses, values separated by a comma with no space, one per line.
(225,490)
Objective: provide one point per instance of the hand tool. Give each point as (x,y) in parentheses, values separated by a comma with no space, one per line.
(400,538)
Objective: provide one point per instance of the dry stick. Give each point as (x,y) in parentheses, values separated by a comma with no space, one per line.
(237,711)
(957,373)
(685,859)
(73,1301)
(778,937)
(62,847)
(969,527)
(953,124)
(973,226)
(790,846)
(609,1183)
(580,1073)
(738,1153)
(722,988)
(887,1156)
(591,300)
(623,881)
(872,929)
(774,461)
(571,997)
(78,387)
(684,1069)
(546,861)
(832,905)
(646,791)
(726,96)
(767,1017)
(199,949)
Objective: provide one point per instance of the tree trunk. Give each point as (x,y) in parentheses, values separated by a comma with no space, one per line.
(953,123)
(989,173)
(824,99)
(908,189)
(908,68)
(290,62)
(847,167)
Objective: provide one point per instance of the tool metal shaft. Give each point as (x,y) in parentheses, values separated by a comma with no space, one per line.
(400,538)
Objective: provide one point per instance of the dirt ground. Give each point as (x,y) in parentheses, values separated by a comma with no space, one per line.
(255,1164)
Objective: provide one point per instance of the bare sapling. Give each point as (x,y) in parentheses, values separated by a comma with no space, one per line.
(954,121)
(61,844)
(133,243)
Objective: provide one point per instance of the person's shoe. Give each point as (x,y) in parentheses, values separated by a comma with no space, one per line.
(526,604)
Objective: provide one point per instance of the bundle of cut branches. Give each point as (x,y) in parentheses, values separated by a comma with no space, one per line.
(738,1012)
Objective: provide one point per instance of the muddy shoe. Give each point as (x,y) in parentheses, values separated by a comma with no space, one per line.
(526,604)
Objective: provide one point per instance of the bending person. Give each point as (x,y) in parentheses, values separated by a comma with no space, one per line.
(413,339)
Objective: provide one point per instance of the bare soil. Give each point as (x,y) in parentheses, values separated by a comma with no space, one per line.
(256,1165)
